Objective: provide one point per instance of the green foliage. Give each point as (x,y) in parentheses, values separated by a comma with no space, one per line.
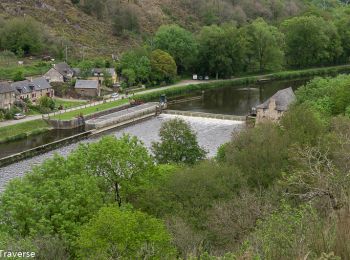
(265,46)
(124,234)
(22,36)
(138,61)
(55,198)
(220,50)
(163,66)
(18,76)
(260,153)
(330,96)
(46,103)
(179,43)
(130,76)
(178,144)
(124,165)
(310,41)
(125,19)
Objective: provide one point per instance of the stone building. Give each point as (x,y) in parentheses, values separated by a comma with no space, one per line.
(7,95)
(275,106)
(60,72)
(89,88)
(33,89)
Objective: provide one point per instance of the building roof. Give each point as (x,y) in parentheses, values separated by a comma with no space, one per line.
(63,68)
(86,84)
(283,99)
(5,87)
(111,71)
(28,86)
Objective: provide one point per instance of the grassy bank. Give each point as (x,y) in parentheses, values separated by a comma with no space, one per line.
(90,110)
(22,130)
(68,103)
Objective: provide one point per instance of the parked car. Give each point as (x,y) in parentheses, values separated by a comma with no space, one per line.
(206,77)
(200,78)
(114,95)
(19,116)
(195,77)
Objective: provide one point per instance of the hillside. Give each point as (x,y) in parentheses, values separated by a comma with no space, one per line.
(89,26)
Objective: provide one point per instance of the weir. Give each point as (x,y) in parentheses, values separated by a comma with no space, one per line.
(205,115)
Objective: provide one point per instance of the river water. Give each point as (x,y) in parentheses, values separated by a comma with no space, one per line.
(211,133)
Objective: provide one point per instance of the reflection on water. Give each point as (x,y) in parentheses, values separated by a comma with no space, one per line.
(236,100)
(18,146)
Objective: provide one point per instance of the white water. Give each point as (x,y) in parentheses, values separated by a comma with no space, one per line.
(211,133)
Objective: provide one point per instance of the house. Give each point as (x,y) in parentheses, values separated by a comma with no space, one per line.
(99,73)
(60,72)
(90,88)
(275,106)
(33,89)
(7,95)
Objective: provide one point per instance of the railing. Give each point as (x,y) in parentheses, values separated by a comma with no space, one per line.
(91,104)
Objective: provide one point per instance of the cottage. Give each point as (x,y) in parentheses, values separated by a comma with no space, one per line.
(274,107)
(7,95)
(90,88)
(60,72)
(99,73)
(33,89)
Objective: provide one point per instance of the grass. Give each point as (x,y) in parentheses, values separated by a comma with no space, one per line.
(39,68)
(22,130)
(90,110)
(69,103)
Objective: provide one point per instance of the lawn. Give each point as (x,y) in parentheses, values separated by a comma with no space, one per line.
(22,130)
(90,110)
(38,68)
(69,103)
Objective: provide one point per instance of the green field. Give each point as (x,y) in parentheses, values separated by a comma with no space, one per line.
(90,110)
(22,130)
(69,103)
(34,69)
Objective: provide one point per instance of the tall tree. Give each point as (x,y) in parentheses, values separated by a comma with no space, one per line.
(265,45)
(221,50)
(310,41)
(179,43)
(163,66)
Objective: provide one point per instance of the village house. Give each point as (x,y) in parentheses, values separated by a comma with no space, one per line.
(60,72)
(274,107)
(99,73)
(89,88)
(33,89)
(7,95)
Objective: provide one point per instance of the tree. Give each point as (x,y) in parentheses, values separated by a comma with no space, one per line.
(46,102)
(124,234)
(311,40)
(22,34)
(55,198)
(179,43)
(221,50)
(138,61)
(123,164)
(125,19)
(265,44)
(163,66)
(178,144)
(18,76)
(130,76)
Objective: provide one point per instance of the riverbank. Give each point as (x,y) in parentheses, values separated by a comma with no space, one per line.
(23,130)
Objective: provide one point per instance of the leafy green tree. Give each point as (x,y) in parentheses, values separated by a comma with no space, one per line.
(178,144)
(163,66)
(46,102)
(138,61)
(23,34)
(264,46)
(267,150)
(55,198)
(130,76)
(311,40)
(120,162)
(124,234)
(85,67)
(18,76)
(221,50)
(179,43)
